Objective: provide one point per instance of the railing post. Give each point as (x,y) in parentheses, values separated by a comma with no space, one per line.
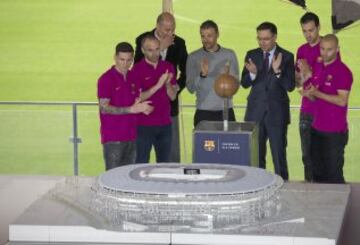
(75,140)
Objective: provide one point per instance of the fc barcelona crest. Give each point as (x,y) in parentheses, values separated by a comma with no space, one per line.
(209,145)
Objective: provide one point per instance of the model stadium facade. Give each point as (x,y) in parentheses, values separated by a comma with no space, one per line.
(175,196)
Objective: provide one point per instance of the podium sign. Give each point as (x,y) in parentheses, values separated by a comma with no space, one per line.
(238,145)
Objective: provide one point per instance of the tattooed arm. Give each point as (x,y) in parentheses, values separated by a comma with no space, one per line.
(137,107)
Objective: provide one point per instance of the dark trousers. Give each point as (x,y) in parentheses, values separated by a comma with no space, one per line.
(203,115)
(157,136)
(327,156)
(118,153)
(175,140)
(277,135)
(305,139)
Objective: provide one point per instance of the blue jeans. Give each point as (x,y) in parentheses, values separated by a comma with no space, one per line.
(157,136)
(305,138)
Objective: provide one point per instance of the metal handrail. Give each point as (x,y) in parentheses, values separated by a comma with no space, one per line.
(46,103)
(96,103)
(74,138)
(77,140)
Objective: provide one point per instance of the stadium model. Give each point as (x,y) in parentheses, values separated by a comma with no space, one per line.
(184,204)
(202,197)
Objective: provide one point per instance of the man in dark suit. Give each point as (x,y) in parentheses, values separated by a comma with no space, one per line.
(269,71)
(173,50)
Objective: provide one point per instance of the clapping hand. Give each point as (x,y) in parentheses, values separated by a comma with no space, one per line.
(311,91)
(276,62)
(164,79)
(250,66)
(141,107)
(204,66)
(305,70)
(166,41)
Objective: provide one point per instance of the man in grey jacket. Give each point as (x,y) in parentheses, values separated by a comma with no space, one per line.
(203,67)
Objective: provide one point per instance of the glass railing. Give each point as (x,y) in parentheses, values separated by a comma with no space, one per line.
(62,138)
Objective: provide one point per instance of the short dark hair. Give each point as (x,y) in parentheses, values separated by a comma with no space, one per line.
(124,47)
(310,16)
(209,24)
(267,26)
(148,36)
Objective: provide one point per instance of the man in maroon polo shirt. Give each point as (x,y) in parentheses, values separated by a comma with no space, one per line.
(330,86)
(157,81)
(173,50)
(119,103)
(306,57)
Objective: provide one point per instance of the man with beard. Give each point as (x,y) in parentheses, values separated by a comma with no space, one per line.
(173,50)
(203,67)
(306,57)
(156,79)
(330,86)
(119,103)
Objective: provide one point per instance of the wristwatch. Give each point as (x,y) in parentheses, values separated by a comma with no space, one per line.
(202,76)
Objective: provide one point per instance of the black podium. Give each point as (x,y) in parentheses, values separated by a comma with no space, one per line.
(238,145)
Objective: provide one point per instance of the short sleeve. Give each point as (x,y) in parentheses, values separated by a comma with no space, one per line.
(345,79)
(104,87)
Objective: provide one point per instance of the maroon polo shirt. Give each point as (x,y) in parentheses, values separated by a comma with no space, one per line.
(310,54)
(122,92)
(147,76)
(328,117)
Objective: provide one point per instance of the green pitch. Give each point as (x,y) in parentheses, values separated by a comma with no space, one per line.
(56,50)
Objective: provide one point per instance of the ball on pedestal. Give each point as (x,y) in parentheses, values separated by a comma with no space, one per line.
(226,85)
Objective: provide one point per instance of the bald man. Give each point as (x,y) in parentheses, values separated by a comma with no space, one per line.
(330,88)
(173,50)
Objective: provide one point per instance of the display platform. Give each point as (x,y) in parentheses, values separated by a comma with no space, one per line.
(236,145)
(308,214)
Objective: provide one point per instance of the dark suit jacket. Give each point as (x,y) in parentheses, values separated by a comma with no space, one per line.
(177,55)
(269,94)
